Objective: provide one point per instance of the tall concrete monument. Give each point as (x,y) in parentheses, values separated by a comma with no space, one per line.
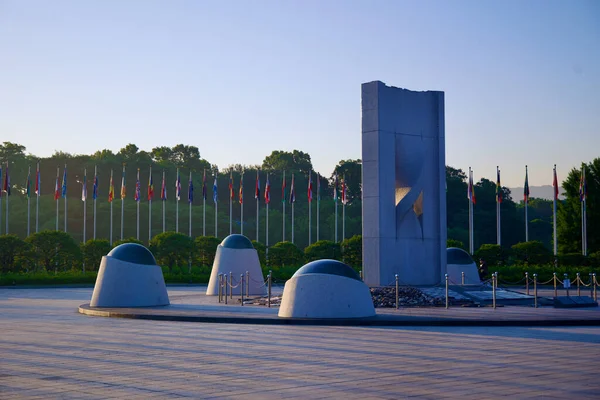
(404,180)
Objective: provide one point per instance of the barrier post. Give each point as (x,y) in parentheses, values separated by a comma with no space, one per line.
(527,283)
(591,286)
(220,286)
(554,279)
(496,273)
(447,301)
(578,289)
(226,287)
(242,289)
(397,294)
(247,283)
(535,290)
(360,273)
(494,279)
(230,285)
(567,286)
(269,282)
(595,285)
(462,279)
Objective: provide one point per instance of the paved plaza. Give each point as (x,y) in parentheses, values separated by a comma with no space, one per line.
(49,350)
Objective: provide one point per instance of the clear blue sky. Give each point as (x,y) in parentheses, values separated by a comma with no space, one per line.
(239,79)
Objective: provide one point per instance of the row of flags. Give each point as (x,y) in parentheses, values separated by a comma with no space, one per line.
(60,189)
(471,187)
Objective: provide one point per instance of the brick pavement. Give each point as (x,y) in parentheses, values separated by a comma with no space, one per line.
(48,350)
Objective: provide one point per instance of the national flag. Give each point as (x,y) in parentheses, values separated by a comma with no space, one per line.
(95,188)
(555,184)
(231,195)
(204,185)
(64,182)
(111,188)
(344,197)
(215,194)
(292,191)
(498,187)
(309,193)
(582,185)
(57,186)
(471,189)
(318,187)
(84,186)
(28,185)
(526,187)
(257,188)
(6,186)
(123,187)
(178,186)
(241,192)
(38,181)
(190,190)
(335,189)
(138,188)
(267,191)
(283,186)
(163,189)
(150,186)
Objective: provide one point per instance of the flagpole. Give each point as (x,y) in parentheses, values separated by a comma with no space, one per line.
(583,212)
(123,200)
(309,208)
(65,185)
(283,200)
(230,203)
(190,200)
(204,204)
(7,178)
(163,199)
(242,203)
(318,202)
(111,189)
(554,212)
(293,201)
(526,207)
(292,223)
(95,195)
(469,199)
(138,193)
(37,202)
(177,197)
(84,206)
(151,195)
(498,228)
(28,200)
(336,221)
(267,221)
(344,200)
(257,195)
(55,191)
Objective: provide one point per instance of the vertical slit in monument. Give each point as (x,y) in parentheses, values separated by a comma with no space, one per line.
(418,209)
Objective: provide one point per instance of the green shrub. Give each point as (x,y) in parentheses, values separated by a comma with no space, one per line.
(285,254)
(533,252)
(206,249)
(493,255)
(55,250)
(92,251)
(352,251)
(128,240)
(323,249)
(13,254)
(455,243)
(261,249)
(172,249)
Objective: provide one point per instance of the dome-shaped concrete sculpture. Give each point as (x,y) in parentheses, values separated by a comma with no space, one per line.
(460,261)
(129,277)
(326,289)
(236,255)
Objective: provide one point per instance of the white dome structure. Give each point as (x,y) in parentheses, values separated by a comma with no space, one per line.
(129,277)
(236,255)
(460,261)
(326,289)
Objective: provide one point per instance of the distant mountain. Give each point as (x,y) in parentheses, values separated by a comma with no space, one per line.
(541,192)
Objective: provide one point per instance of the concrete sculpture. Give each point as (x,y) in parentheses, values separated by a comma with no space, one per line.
(129,277)
(459,262)
(404,204)
(326,289)
(236,255)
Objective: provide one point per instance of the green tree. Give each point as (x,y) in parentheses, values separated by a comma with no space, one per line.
(569,210)
(206,249)
(55,250)
(352,251)
(12,250)
(172,249)
(492,254)
(323,249)
(93,250)
(351,170)
(532,252)
(455,243)
(285,254)
(127,240)
(280,160)
(261,249)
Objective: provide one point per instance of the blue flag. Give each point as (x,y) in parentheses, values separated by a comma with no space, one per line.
(215,195)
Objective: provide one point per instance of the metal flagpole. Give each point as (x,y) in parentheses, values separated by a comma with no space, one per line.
(65,195)
(177,198)
(138,195)
(335,199)
(526,199)
(56,194)
(267,200)
(204,204)
(111,195)
(344,208)
(190,200)
(582,195)
(555,184)
(123,194)
(84,198)
(309,207)
(94,195)
(318,202)
(150,197)
(283,200)
(28,200)
(230,202)
(292,222)
(469,199)
(7,181)
(1,199)
(216,201)
(257,196)
(242,203)
(37,201)
(498,202)
(163,198)
(293,200)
